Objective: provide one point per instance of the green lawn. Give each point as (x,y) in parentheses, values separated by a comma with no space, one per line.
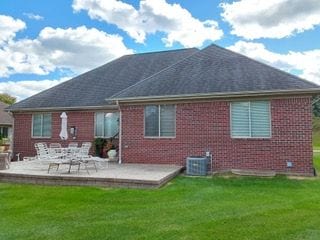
(316,140)
(316,132)
(187,208)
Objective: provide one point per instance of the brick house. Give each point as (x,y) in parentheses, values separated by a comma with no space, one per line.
(173,104)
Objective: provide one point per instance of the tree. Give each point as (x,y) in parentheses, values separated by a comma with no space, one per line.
(6,98)
(316,106)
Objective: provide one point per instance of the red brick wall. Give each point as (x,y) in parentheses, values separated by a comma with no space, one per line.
(199,127)
(206,126)
(23,143)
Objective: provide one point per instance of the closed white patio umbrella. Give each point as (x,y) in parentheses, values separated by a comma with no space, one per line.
(64,128)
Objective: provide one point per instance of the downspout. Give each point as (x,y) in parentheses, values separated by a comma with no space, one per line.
(120,133)
(12,138)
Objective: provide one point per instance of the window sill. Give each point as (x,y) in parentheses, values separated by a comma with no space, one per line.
(146,137)
(106,137)
(33,137)
(251,138)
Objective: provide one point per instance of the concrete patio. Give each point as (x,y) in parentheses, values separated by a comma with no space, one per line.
(108,175)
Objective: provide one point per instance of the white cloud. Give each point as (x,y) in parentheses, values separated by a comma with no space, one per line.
(24,89)
(153,16)
(253,19)
(33,16)
(24,56)
(306,62)
(81,49)
(78,49)
(8,28)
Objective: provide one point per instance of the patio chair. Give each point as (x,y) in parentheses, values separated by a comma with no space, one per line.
(84,157)
(42,150)
(55,150)
(44,154)
(73,149)
(54,145)
(73,145)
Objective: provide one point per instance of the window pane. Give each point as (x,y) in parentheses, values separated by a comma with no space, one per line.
(240,119)
(99,124)
(46,132)
(111,124)
(36,127)
(4,132)
(260,119)
(151,114)
(10,132)
(41,125)
(167,120)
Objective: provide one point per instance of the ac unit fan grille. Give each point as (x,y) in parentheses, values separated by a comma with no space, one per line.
(197,166)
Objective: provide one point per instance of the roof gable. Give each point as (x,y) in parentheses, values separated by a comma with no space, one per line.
(93,87)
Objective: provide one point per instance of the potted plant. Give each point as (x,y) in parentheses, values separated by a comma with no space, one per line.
(2,142)
(99,145)
(112,153)
(111,149)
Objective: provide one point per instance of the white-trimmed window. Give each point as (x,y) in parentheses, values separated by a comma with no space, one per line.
(106,124)
(160,121)
(250,119)
(4,131)
(41,125)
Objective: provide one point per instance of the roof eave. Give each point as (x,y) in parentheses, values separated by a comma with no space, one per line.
(5,124)
(55,109)
(311,91)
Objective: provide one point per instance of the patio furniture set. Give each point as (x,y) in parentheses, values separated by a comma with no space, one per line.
(55,155)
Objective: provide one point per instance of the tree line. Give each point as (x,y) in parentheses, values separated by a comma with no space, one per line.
(6,98)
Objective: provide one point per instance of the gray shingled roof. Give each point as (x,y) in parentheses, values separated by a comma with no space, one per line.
(214,70)
(5,118)
(93,87)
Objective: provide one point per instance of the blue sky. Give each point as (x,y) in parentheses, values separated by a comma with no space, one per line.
(43,43)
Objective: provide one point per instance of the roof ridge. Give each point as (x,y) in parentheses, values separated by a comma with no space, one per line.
(161,51)
(264,64)
(145,79)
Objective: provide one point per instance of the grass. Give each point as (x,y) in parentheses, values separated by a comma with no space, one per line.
(316,162)
(188,208)
(316,133)
(316,140)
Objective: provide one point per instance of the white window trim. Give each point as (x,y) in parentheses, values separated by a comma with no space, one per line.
(175,122)
(250,137)
(42,137)
(94,127)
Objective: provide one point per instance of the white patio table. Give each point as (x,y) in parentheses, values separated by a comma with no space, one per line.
(68,156)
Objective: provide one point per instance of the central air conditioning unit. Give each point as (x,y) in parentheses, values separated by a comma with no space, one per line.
(197,165)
